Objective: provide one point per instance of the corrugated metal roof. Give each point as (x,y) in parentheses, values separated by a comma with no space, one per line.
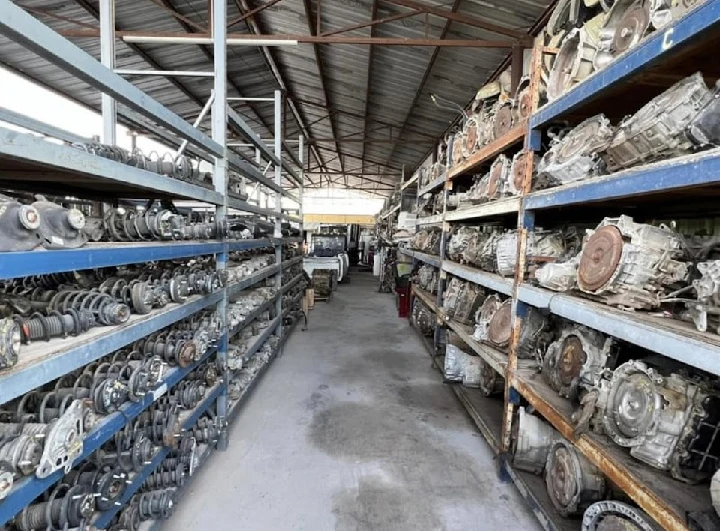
(376,105)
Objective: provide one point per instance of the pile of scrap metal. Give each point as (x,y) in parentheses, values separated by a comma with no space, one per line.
(683,119)
(591,34)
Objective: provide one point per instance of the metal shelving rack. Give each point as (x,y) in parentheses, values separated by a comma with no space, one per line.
(97,177)
(677,49)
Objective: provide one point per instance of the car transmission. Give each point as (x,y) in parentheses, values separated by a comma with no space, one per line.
(612,515)
(499,329)
(423,318)
(534,335)
(574,62)
(542,246)
(470,298)
(559,276)
(576,155)
(532,439)
(659,129)
(706,311)
(576,360)
(625,24)
(427,278)
(490,383)
(630,264)
(669,422)
(572,482)
(484,315)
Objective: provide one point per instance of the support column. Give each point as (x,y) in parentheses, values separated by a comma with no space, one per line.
(107,57)
(219,135)
(278,199)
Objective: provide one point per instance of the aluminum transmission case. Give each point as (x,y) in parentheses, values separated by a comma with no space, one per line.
(427,278)
(576,360)
(534,335)
(667,421)
(659,129)
(459,242)
(423,318)
(451,295)
(499,330)
(576,155)
(573,483)
(706,311)
(573,63)
(558,276)
(542,245)
(630,264)
(484,315)
(532,439)
(470,299)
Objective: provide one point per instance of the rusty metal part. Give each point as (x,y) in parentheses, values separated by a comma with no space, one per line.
(499,329)
(611,515)
(503,119)
(470,135)
(600,258)
(572,482)
(457,149)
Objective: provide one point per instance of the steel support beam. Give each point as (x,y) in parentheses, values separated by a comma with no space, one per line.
(108,107)
(251,12)
(373,22)
(373,14)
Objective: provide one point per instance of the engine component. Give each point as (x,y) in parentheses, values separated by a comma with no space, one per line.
(7,479)
(610,515)
(576,360)
(659,129)
(470,135)
(575,156)
(62,441)
(22,452)
(704,130)
(427,278)
(107,483)
(625,25)
(574,62)
(499,329)
(532,439)
(499,175)
(166,478)
(457,149)
(522,101)
(706,311)
(10,340)
(451,296)
(573,483)
(66,508)
(18,225)
(484,316)
(106,309)
(506,254)
(630,264)
(490,383)
(534,335)
(423,319)
(155,504)
(663,12)
(55,324)
(60,228)
(560,276)
(503,120)
(518,168)
(667,421)
(470,298)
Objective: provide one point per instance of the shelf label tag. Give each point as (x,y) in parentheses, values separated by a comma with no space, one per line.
(160,391)
(667,41)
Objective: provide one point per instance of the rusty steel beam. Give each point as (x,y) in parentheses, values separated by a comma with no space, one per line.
(426,75)
(373,22)
(135,36)
(321,72)
(50,14)
(404,140)
(463,19)
(373,14)
(360,116)
(251,13)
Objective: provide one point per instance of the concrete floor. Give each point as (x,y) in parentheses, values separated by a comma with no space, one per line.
(352,429)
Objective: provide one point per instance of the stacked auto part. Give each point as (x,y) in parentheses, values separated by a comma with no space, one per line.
(423,318)
(427,278)
(427,241)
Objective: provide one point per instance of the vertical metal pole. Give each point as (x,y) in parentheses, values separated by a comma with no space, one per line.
(301,158)
(219,135)
(278,201)
(107,57)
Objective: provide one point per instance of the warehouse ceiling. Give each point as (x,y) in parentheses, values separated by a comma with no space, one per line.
(361,99)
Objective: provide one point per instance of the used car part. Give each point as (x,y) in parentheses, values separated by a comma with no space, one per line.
(706,311)
(66,508)
(470,135)
(499,329)
(470,298)
(499,175)
(484,316)
(60,227)
(518,169)
(625,25)
(62,441)
(630,264)
(534,335)
(532,440)
(659,129)
(558,276)
(575,156)
(19,225)
(664,12)
(574,62)
(665,420)
(573,483)
(10,341)
(609,515)
(576,360)
(503,120)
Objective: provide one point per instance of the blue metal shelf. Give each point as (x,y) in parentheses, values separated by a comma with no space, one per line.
(253,279)
(242,245)
(665,176)
(432,185)
(659,46)
(260,340)
(489,280)
(423,257)
(29,488)
(294,260)
(42,362)
(672,338)
(36,152)
(103,519)
(485,210)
